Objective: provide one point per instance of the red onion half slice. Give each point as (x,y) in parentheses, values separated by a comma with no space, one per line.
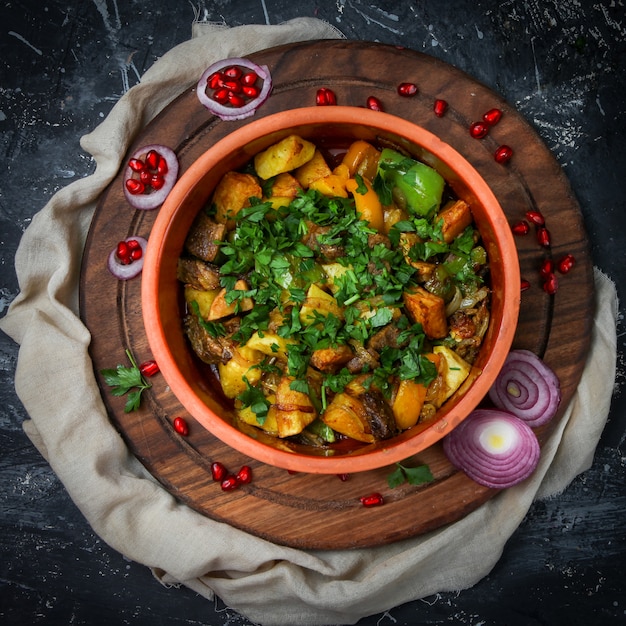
(527,388)
(230,88)
(126,271)
(494,448)
(150,174)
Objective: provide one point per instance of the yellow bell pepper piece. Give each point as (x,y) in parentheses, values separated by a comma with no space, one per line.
(367,203)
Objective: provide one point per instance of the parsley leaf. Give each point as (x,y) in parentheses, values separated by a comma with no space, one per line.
(412,475)
(127,380)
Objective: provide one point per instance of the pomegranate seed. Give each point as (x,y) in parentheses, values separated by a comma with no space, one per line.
(234,71)
(180,426)
(218,471)
(325,97)
(535,217)
(149,368)
(133,244)
(251,91)
(547,268)
(235,100)
(122,250)
(152,159)
(136,165)
(543,236)
(374,103)
(524,285)
(229,483)
(249,78)
(374,499)
(478,130)
(162,167)
(136,254)
(292,472)
(232,85)
(566,263)
(244,475)
(156,181)
(503,154)
(215,80)
(221,95)
(343,477)
(551,284)
(135,186)
(145,177)
(492,116)
(440,107)
(407,89)
(521,228)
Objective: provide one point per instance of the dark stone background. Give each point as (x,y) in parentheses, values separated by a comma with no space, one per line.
(63,65)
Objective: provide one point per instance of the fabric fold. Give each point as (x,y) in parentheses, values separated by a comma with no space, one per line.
(128,508)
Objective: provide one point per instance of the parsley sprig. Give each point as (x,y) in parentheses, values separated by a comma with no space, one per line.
(127,380)
(413,475)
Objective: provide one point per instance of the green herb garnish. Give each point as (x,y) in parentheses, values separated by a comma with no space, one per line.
(127,380)
(412,475)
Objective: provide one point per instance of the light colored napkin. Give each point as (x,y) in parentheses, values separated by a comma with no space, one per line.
(270,584)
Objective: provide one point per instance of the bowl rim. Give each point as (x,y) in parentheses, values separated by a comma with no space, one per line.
(383,454)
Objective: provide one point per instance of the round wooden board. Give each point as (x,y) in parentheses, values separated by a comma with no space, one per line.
(322,511)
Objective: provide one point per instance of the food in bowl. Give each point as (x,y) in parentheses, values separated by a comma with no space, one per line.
(196,385)
(337,293)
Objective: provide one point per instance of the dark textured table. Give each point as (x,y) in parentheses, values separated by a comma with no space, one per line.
(63,65)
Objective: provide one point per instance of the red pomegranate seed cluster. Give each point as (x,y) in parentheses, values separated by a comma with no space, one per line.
(128,251)
(227,480)
(233,86)
(148,173)
(548,267)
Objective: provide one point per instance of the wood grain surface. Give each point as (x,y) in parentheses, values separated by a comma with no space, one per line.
(323,512)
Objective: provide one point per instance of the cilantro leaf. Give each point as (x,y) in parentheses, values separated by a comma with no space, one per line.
(127,380)
(412,475)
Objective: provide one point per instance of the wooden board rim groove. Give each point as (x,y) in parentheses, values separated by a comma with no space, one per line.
(279,501)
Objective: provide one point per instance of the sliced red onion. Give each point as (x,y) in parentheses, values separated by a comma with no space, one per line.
(527,387)
(130,270)
(494,448)
(152,198)
(231,113)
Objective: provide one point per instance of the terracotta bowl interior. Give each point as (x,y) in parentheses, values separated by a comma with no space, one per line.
(161,298)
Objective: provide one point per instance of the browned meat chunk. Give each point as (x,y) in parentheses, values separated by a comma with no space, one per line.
(203,237)
(198,274)
(211,349)
(379,415)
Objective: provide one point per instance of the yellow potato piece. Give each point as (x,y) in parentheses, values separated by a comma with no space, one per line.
(284,156)
(455,372)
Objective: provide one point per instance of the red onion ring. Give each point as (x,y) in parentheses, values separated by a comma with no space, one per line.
(149,201)
(126,272)
(229,113)
(494,448)
(527,388)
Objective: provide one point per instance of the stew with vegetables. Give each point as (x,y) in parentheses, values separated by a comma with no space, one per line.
(336,294)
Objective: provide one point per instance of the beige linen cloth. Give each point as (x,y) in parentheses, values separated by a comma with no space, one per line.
(127,508)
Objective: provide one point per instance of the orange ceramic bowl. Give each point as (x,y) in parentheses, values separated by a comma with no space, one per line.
(161,301)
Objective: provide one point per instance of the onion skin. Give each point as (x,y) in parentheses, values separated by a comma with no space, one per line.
(494,448)
(149,201)
(229,113)
(527,388)
(126,272)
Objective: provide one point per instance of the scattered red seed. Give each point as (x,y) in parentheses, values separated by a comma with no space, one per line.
(551,284)
(180,426)
(440,107)
(478,130)
(536,217)
(343,477)
(374,499)
(374,103)
(543,236)
(503,154)
(521,228)
(149,368)
(407,89)
(135,186)
(244,475)
(325,97)
(524,284)
(229,483)
(218,471)
(547,268)
(566,263)
(492,116)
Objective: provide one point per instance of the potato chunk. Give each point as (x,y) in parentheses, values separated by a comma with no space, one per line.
(456,218)
(294,409)
(284,156)
(312,170)
(347,415)
(232,194)
(427,309)
(455,372)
